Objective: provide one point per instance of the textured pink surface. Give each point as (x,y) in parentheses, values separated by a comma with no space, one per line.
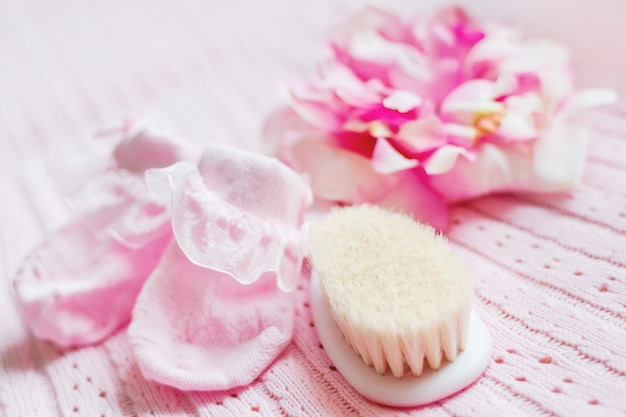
(550,271)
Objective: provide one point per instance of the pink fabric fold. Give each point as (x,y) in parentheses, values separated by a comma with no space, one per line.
(80,285)
(213,315)
(216,311)
(195,328)
(145,148)
(117,203)
(238,213)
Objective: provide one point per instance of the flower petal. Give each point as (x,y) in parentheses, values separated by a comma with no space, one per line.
(494,169)
(593,97)
(402,101)
(559,158)
(451,32)
(318,114)
(387,160)
(536,56)
(483,59)
(198,329)
(460,134)
(372,47)
(553,164)
(443,159)
(468,100)
(421,135)
(515,127)
(281,124)
(336,174)
(372,19)
(411,71)
(410,195)
(472,90)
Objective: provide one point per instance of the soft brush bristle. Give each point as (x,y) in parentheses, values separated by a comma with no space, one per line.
(396,291)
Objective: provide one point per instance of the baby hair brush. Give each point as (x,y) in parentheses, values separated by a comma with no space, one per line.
(392,307)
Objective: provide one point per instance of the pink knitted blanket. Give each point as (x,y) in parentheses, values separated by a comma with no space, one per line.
(550,271)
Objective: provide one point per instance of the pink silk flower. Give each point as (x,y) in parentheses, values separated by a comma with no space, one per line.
(414,114)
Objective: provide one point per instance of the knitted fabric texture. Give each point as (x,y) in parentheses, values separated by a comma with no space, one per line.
(549,270)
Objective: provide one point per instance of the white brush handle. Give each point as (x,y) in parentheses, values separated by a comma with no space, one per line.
(408,391)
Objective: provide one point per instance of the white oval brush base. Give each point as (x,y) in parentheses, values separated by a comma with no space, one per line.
(408,391)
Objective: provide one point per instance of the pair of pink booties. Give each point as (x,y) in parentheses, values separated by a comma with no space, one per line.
(197,250)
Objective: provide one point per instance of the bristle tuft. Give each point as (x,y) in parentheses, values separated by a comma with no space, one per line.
(396,291)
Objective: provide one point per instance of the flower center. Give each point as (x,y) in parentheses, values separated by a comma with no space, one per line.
(488,123)
(379,130)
